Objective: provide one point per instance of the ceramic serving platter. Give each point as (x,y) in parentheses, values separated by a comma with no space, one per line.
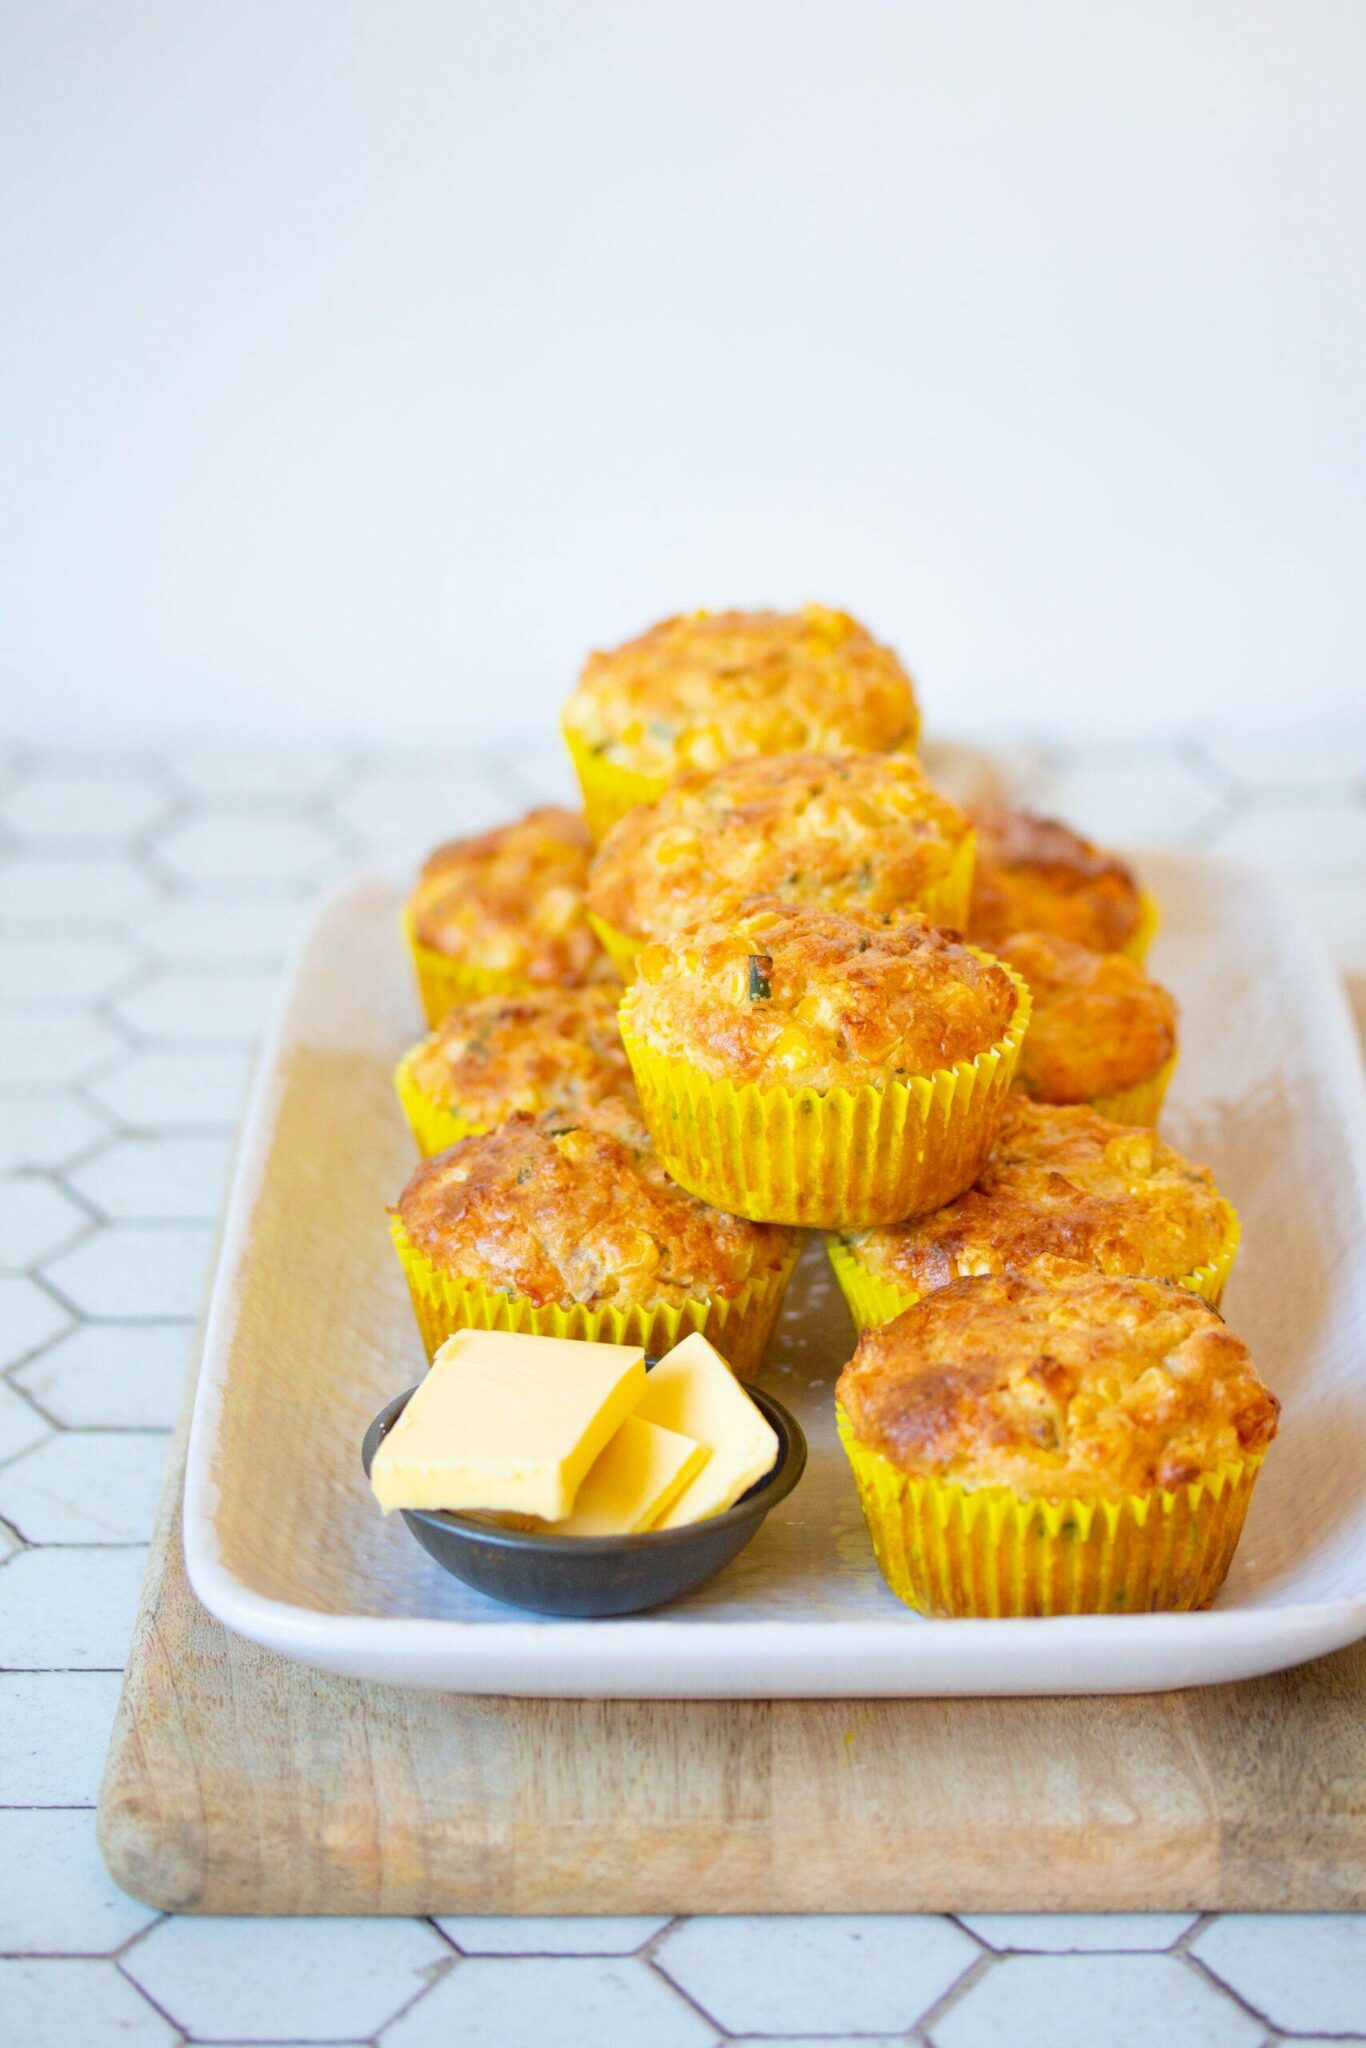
(310,1332)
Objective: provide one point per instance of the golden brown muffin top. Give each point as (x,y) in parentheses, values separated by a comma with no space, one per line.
(512,900)
(1099,1022)
(1033,874)
(1060,1185)
(550,1050)
(703,686)
(580,1211)
(799,998)
(1084,1387)
(847,831)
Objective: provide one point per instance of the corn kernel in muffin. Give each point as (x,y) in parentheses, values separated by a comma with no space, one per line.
(1033,874)
(1083,1386)
(840,832)
(699,688)
(822,999)
(1060,1185)
(1099,1026)
(510,903)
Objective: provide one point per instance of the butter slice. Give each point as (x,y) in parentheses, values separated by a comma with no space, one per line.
(507,1423)
(693,1390)
(635,1479)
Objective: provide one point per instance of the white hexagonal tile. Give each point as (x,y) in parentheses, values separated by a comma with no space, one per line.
(38,1047)
(578,2002)
(10,1546)
(54,1730)
(253,776)
(112,1375)
(21,1427)
(1094,2002)
(1309,839)
(86,1486)
(197,1006)
(62,970)
(46,1127)
(1297,757)
(529,1936)
(136,1180)
(258,929)
(1074,1933)
(136,1269)
(408,808)
(42,2001)
(1303,1971)
(275,1980)
(260,853)
(844,1973)
(28,1317)
(94,806)
(52,891)
(169,1090)
(36,1219)
(56,1897)
(69,1609)
(1128,801)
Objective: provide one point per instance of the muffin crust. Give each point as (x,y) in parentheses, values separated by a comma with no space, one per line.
(512,901)
(580,1212)
(778,995)
(1033,874)
(1084,1386)
(555,1051)
(1062,1188)
(844,831)
(1099,1023)
(703,686)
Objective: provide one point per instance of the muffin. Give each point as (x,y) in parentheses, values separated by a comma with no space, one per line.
(1062,1188)
(549,1051)
(835,831)
(572,1229)
(505,911)
(1033,874)
(1102,1031)
(1078,1445)
(822,1066)
(698,689)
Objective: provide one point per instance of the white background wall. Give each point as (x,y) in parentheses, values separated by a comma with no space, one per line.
(367,362)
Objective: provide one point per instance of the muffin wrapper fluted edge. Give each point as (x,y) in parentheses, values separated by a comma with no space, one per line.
(1140,1104)
(950,1550)
(739,1326)
(873,1300)
(434,1124)
(609,790)
(841,1158)
(1146,930)
(443,982)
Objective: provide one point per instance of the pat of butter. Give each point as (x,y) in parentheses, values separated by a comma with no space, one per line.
(508,1423)
(635,1480)
(693,1390)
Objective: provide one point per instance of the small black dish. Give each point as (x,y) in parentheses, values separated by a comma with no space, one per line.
(598,1575)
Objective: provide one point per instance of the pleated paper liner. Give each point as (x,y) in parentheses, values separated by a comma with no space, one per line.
(739,1326)
(944,901)
(951,1550)
(443,982)
(434,1124)
(1146,930)
(838,1157)
(1142,1102)
(609,790)
(873,1300)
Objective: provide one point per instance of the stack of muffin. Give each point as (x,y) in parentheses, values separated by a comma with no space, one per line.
(772,980)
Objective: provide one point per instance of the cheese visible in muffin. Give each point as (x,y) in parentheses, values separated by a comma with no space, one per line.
(550,1050)
(1060,1184)
(580,1211)
(1033,874)
(821,999)
(511,901)
(699,688)
(842,831)
(1099,1024)
(1083,1386)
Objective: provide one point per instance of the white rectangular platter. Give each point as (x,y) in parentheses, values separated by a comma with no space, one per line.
(310,1332)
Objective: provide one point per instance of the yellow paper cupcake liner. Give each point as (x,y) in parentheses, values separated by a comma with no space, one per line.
(434,1124)
(843,1158)
(739,1326)
(1141,1103)
(609,790)
(952,1550)
(443,982)
(874,1301)
(1146,930)
(943,901)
